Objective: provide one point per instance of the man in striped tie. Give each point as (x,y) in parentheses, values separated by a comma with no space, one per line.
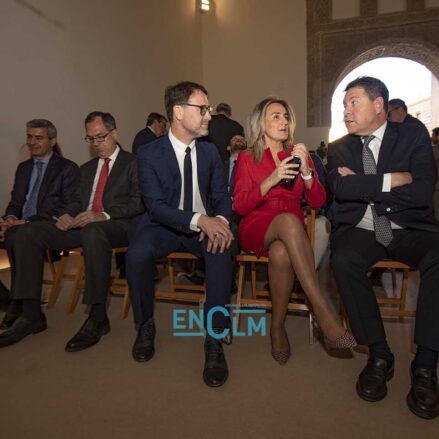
(382,175)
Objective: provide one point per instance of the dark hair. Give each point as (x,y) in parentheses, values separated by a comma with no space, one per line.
(43,123)
(435,131)
(398,103)
(224,108)
(373,87)
(152,117)
(107,119)
(179,94)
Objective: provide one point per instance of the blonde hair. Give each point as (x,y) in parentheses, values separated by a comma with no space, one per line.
(255,134)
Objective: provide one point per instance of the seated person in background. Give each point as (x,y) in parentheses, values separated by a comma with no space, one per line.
(156,126)
(188,209)
(397,112)
(44,185)
(101,216)
(272,220)
(382,175)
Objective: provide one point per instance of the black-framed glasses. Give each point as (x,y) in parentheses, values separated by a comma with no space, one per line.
(203,108)
(100,137)
(389,113)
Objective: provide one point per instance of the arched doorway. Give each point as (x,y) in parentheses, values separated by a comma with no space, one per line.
(405,79)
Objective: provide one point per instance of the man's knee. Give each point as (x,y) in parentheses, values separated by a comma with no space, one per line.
(140,253)
(346,259)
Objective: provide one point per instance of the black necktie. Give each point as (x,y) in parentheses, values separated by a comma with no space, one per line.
(232,177)
(381,224)
(188,192)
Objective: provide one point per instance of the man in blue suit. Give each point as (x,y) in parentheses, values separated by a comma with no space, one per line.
(188,209)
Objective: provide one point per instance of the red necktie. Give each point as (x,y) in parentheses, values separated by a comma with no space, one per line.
(103,177)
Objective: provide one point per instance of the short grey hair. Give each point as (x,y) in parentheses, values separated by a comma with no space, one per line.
(43,123)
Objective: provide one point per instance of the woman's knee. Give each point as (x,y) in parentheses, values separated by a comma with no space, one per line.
(278,255)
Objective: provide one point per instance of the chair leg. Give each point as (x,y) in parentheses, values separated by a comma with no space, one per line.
(76,287)
(56,288)
(125,304)
(239,294)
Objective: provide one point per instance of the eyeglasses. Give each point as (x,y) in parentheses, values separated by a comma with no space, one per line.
(203,108)
(99,138)
(389,113)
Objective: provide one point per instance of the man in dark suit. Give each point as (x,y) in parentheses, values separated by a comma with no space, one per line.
(103,215)
(44,185)
(222,128)
(156,126)
(397,112)
(188,209)
(382,175)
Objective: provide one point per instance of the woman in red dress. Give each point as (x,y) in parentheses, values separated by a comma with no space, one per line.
(272,220)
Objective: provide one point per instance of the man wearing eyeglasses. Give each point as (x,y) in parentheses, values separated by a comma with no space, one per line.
(103,215)
(188,209)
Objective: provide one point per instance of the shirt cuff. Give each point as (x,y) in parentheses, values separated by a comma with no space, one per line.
(106,215)
(194,221)
(387,181)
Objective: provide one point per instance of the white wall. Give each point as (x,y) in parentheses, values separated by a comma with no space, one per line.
(61,59)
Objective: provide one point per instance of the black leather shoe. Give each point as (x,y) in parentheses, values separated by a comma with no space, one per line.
(423,398)
(215,371)
(21,329)
(88,335)
(371,384)
(10,317)
(143,348)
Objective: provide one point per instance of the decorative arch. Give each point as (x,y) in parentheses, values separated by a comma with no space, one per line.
(336,46)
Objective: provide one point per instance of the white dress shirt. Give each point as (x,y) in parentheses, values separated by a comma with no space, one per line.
(101,162)
(375,145)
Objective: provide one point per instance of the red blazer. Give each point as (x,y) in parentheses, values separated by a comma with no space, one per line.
(258,211)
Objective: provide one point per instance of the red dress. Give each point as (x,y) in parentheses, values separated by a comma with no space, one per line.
(258,211)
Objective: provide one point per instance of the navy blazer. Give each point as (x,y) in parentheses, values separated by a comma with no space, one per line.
(405,148)
(160,183)
(58,188)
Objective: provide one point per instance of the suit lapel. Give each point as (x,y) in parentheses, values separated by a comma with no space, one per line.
(170,160)
(87,182)
(356,147)
(50,170)
(386,149)
(116,170)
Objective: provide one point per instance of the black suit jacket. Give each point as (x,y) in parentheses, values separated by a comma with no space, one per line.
(221,130)
(122,198)
(405,147)
(143,137)
(58,188)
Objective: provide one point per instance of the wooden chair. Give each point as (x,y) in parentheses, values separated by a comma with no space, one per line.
(57,274)
(261,297)
(387,304)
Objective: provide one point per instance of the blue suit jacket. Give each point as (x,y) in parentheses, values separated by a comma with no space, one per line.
(160,182)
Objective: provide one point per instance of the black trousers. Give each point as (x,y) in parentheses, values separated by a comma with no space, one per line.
(353,251)
(152,242)
(26,245)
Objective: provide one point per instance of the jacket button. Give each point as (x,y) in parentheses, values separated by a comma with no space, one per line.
(388,209)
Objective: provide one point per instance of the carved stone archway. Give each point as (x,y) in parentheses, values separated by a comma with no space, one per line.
(337,46)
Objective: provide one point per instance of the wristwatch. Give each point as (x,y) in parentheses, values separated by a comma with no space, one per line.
(307,177)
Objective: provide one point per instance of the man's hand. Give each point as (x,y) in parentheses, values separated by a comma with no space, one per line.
(218,232)
(87,217)
(5,225)
(65,222)
(345,171)
(400,179)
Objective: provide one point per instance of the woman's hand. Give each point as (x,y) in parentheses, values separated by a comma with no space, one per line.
(283,170)
(301,151)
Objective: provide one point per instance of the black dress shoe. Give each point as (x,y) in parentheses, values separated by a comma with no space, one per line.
(4,297)
(10,317)
(215,371)
(143,348)
(423,398)
(371,384)
(21,329)
(88,335)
